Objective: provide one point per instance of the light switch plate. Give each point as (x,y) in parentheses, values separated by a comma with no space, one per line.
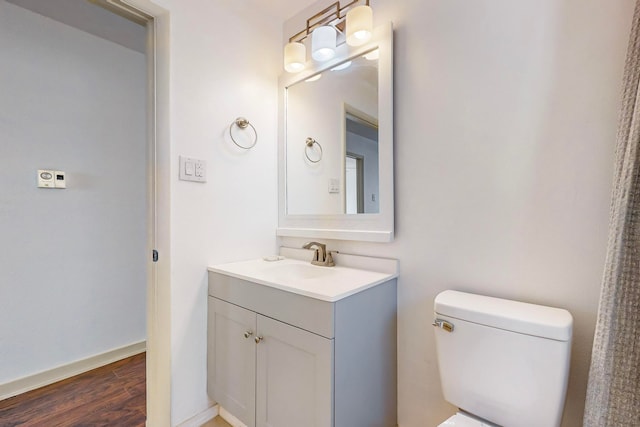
(192,169)
(334,186)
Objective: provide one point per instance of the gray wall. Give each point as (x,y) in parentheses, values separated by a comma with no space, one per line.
(368,149)
(72,262)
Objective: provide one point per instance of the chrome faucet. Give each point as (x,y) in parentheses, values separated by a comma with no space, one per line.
(321,256)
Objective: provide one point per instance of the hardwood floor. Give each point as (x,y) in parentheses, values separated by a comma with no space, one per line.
(113,395)
(216,422)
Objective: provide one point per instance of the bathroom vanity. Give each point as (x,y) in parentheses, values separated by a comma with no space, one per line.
(292,344)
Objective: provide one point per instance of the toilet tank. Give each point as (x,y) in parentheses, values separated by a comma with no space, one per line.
(504,361)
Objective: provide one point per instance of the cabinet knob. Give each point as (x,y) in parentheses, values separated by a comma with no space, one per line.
(258,339)
(248,334)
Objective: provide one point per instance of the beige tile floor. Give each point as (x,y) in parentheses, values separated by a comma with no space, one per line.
(216,422)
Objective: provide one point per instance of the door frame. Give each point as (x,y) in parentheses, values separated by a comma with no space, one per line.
(158,375)
(158,282)
(359,181)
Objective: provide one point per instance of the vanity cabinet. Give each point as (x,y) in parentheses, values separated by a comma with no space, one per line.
(280,359)
(231,358)
(268,373)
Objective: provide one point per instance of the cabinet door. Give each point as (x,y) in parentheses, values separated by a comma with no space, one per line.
(294,383)
(231,359)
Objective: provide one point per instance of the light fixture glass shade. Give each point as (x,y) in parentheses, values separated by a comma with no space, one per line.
(359,25)
(314,78)
(342,66)
(323,43)
(373,55)
(295,55)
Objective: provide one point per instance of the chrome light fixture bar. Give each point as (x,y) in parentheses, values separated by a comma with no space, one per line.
(355,19)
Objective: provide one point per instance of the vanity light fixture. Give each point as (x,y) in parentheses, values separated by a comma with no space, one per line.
(295,55)
(374,55)
(359,25)
(323,43)
(354,20)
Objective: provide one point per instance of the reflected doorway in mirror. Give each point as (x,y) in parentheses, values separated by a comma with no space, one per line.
(361,162)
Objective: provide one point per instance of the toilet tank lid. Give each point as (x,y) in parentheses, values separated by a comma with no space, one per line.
(531,319)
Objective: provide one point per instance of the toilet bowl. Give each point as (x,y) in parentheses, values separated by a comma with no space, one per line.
(463,420)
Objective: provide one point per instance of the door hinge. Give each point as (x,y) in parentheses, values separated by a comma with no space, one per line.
(155,255)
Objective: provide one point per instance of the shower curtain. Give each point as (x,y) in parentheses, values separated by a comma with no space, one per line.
(613,393)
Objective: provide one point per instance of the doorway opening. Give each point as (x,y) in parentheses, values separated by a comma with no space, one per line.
(152,170)
(361,163)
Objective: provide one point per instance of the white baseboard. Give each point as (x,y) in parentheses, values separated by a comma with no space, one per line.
(201,418)
(41,379)
(230,418)
(209,414)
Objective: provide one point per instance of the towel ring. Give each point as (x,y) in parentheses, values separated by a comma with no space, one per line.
(243,123)
(310,142)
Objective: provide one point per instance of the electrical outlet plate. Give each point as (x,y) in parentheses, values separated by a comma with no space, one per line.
(193,169)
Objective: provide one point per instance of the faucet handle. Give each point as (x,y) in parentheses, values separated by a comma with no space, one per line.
(329,260)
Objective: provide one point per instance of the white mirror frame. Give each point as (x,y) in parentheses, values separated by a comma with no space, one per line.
(378,227)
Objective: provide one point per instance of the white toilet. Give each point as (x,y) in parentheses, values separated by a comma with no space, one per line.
(503,363)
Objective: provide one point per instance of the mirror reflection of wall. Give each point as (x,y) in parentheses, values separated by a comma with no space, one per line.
(317,108)
(361,166)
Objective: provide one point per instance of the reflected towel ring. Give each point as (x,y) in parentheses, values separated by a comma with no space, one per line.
(243,123)
(310,142)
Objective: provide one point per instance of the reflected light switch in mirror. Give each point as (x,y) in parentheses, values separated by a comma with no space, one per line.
(334,186)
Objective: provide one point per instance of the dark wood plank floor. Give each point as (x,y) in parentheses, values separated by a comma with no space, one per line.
(113,395)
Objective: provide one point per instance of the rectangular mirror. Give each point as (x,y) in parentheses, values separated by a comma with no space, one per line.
(336,145)
(338,109)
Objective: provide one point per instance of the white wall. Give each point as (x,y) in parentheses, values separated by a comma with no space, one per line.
(504,134)
(72,262)
(224,64)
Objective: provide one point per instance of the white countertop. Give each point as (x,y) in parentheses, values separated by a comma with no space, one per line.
(324,283)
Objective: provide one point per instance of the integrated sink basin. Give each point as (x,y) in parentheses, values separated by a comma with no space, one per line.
(301,277)
(295,271)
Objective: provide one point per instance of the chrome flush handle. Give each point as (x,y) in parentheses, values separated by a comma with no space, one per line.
(443,324)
